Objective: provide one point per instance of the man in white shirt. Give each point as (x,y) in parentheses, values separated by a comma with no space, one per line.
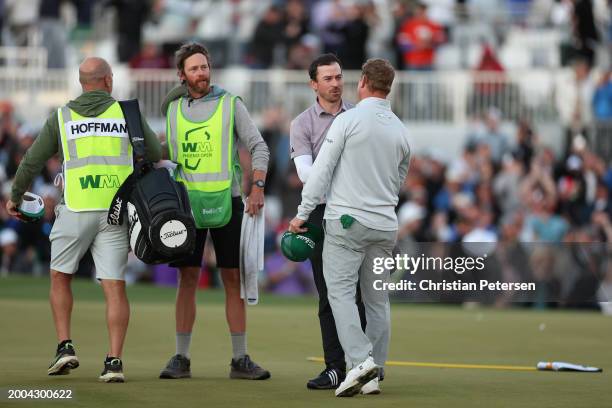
(361,166)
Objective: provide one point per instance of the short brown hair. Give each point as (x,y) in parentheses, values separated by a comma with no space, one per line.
(186,51)
(379,74)
(322,60)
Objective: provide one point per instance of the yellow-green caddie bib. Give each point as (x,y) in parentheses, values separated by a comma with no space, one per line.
(97,157)
(203,151)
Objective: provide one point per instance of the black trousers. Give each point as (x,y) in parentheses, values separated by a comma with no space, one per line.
(332,350)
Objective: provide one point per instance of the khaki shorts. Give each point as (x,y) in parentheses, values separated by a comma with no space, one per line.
(75,232)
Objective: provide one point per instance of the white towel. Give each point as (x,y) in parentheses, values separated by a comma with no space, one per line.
(251,255)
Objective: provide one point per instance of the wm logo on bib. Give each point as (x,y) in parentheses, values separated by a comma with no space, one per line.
(197,149)
(99,181)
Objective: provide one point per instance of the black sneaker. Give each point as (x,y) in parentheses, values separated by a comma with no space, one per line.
(64,361)
(381,374)
(113,371)
(246,369)
(329,379)
(179,366)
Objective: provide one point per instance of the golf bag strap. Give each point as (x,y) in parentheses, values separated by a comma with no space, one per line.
(131,112)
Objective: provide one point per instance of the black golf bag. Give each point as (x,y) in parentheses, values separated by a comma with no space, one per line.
(161,228)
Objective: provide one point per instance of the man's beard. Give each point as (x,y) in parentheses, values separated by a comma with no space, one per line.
(199,86)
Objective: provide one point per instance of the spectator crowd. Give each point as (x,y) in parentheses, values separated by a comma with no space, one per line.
(414,34)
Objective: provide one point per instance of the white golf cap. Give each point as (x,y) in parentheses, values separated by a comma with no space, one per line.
(32,206)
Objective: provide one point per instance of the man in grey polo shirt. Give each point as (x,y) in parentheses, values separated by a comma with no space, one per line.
(361,167)
(308,130)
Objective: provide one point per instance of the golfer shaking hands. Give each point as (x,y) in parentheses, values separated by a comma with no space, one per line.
(361,166)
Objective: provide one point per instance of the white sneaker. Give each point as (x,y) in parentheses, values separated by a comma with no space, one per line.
(371,388)
(359,376)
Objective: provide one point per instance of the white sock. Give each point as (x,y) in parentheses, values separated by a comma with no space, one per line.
(183,341)
(239,345)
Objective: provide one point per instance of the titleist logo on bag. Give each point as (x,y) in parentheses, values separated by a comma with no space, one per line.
(114,214)
(173,234)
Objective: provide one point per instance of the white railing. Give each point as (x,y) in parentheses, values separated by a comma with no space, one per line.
(446,97)
(30,58)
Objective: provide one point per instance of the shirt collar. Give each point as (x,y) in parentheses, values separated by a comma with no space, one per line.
(372,100)
(319,109)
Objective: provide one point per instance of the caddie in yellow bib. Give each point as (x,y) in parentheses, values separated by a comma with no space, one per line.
(203,150)
(89,135)
(97,157)
(204,123)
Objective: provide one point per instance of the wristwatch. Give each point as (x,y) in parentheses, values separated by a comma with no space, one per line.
(259,183)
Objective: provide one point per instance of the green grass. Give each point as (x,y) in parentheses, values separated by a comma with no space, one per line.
(282,333)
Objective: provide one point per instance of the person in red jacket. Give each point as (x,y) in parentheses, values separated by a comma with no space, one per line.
(418,38)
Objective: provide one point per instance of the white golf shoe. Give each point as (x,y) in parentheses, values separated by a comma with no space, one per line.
(359,376)
(371,388)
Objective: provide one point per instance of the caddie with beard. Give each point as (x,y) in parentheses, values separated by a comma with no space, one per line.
(204,123)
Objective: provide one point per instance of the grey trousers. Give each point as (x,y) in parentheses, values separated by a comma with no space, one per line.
(348,256)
